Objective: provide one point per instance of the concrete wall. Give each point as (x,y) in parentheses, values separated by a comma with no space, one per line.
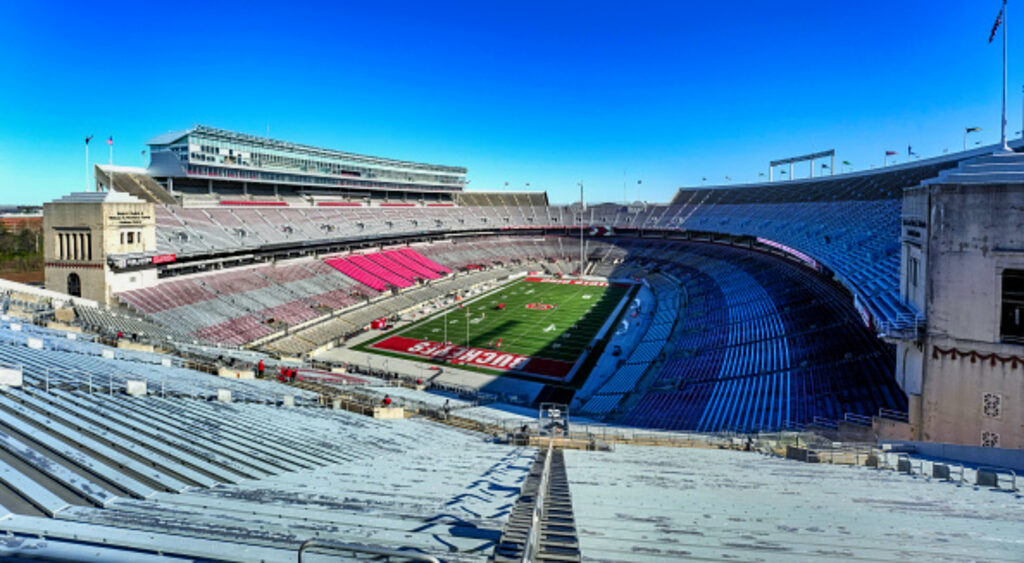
(971,455)
(969,235)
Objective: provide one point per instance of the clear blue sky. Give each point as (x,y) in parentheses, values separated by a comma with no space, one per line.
(548,93)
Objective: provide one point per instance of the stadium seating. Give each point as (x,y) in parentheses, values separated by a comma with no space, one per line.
(763,344)
(676,504)
(353,271)
(848,223)
(239,305)
(216,481)
(83,363)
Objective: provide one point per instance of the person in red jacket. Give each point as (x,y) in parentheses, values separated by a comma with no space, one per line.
(259,368)
(387,400)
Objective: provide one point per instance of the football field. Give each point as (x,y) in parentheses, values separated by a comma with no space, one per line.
(535,326)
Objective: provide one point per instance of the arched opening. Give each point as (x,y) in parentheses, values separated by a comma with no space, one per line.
(74,285)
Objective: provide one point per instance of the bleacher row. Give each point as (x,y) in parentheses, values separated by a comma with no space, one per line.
(628,375)
(131,478)
(398,268)
(176,472)
(59,360)
(762,344)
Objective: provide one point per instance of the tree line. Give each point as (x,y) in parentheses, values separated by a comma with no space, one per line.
(20,250)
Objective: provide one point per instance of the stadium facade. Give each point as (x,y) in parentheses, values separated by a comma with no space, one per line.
(245,241)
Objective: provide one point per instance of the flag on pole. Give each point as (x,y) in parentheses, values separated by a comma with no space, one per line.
(973,129)
(910,152)
(639,182)
(999,21)
(890,153)
(110,140)
(87,139)
(847,163)
(824,166)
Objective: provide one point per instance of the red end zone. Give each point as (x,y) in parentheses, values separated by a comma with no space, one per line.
(575,282)
(479,357)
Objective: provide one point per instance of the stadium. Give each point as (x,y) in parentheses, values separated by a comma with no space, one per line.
(252,348)
(787,312)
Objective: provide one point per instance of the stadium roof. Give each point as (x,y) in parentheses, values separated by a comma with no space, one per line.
(99,197)
(1017,144)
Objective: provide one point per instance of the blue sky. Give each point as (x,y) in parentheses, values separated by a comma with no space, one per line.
(546,93)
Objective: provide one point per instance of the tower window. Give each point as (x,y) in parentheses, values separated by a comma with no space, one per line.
(1012,325)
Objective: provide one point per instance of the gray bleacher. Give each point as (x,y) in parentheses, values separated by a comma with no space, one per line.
(109,323)
(214,481)
(80,363)
(658,504)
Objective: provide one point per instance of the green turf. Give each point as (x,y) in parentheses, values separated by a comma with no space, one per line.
(561,333)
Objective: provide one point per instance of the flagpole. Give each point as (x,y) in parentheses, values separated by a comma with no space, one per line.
(1003,132)
(87,165)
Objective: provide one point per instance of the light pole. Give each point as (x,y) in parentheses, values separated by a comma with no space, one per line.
(583,209)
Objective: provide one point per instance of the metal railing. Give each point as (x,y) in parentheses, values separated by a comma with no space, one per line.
(898,416)
(532,545)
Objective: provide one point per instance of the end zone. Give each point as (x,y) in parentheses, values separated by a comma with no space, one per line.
(478,357)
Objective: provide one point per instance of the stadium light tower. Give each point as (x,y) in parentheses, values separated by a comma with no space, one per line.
(583,209)
(831,153)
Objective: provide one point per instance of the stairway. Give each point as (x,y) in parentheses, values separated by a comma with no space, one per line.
(556,534)
(143,187)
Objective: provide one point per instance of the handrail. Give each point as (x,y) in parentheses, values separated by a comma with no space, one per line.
(890,414)
(533,539)
(383,552)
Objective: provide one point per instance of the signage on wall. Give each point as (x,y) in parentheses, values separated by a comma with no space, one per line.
(164,258)
(129,218)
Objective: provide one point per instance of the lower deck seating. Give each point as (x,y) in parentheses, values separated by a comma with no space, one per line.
(764,344)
